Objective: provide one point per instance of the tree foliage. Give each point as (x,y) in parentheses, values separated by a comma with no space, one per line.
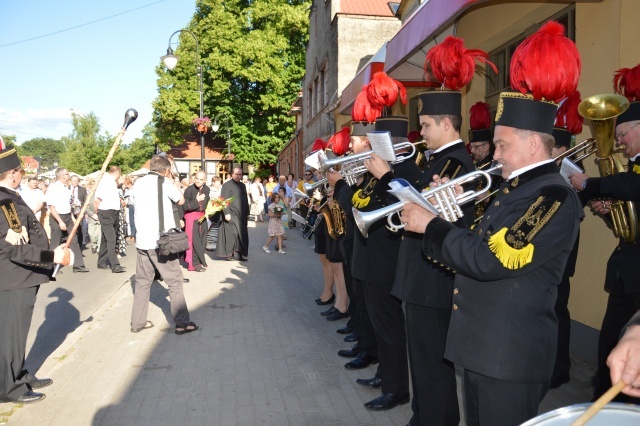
(252,54)
(9,140)
(47,149)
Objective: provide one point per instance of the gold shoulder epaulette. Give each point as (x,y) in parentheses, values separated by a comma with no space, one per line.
(513,246)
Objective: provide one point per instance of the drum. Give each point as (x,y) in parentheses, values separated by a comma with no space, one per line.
(614,413)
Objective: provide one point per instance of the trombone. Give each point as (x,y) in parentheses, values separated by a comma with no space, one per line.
(446,202)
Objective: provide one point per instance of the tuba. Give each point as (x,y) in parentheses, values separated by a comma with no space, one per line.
(602,111)
(333,215)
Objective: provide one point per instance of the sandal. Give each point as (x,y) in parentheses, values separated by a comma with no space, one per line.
(148,324)
(186,328)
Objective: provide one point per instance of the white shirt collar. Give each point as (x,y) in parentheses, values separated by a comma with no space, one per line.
(447,145)
(527,168)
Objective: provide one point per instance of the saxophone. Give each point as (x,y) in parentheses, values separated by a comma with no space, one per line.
(333,215)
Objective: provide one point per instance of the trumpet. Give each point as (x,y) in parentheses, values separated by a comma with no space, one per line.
(308,187)
(446,202)
(352,166)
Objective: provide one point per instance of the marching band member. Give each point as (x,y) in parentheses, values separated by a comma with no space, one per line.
(503,327)
(622,280)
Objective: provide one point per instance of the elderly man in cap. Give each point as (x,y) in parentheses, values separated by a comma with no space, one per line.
(622,280)
(503,326)
(25,263)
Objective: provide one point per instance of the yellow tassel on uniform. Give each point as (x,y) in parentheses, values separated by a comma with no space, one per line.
(511,258)
(17,239)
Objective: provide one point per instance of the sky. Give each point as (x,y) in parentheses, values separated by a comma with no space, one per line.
(57,59)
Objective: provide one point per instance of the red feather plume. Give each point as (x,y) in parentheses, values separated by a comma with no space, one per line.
(414,136)
(363,110)
(339,142)
(479,116)
(383,90)
(626,82)
(452,64)
(2,145)
(318,145)
(568,116)
(546,64)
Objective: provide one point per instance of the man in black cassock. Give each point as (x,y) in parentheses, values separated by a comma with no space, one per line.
(196,198)
(233,238)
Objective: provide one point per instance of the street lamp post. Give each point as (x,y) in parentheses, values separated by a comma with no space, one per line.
(170,61)
(215,128)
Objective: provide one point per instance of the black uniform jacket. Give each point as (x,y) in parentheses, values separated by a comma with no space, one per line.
(190,202)
(374,258)
(503,323)
(624,259)
(419,280)
(27,264)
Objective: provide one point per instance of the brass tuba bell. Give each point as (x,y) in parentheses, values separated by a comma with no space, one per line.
(602,111)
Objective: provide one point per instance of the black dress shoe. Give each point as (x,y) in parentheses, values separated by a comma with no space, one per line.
(41,383)
(345,330)
(200,268)
(118,268)
(329,301)
(363,360)
(30,397)
(80,269)
(329,311)
(185,280)
(387,401)
(556,382)
(353,337)
(350,353)
(376,382)
(337,316)
(103,266)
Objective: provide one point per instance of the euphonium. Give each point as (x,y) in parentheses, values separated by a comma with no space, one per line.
(602,111)
(333,216)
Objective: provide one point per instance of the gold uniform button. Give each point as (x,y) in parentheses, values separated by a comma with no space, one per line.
(479,231)
(506,190)
(497,203)
(455,307)
(455,291)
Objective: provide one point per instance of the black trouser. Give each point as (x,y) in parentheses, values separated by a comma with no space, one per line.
(433,378)
(16,310)
(363,327)
(108,224)
(353,303)
(387,320)
(57,234)
(563,362)
(492,401)
(620,309)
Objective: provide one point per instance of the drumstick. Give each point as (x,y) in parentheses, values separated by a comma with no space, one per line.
(129,117)
(601,402)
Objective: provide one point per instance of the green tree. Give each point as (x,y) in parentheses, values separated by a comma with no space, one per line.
(252,54)
(133,156)
(85,148)
(9,140)
(49,150)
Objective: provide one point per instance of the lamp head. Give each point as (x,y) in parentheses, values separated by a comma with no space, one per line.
(170,60)
(215,126)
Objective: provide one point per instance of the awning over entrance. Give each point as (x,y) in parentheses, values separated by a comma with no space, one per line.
(406,51)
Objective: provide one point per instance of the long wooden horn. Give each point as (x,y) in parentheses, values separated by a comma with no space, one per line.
(129,117)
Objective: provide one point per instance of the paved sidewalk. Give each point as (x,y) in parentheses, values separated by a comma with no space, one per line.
(263,355)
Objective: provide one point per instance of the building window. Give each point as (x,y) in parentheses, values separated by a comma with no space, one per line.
(501,57)
(310,102)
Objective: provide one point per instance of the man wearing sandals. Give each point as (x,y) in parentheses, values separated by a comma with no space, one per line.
(145,198)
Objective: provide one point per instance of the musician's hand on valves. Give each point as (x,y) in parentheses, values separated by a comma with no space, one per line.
(332,177)
(577,180)
(624,361)
(415,218)
(377,166)
(317,195)
(601,207)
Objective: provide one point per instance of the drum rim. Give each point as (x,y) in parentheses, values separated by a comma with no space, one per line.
(571,409)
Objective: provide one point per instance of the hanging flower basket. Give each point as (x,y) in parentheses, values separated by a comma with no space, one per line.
(202,124)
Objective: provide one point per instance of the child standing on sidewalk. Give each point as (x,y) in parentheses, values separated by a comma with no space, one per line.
(276,227)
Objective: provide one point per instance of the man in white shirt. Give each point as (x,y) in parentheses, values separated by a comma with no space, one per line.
(144,197)
(34,198)
(60,219)
(107,203)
